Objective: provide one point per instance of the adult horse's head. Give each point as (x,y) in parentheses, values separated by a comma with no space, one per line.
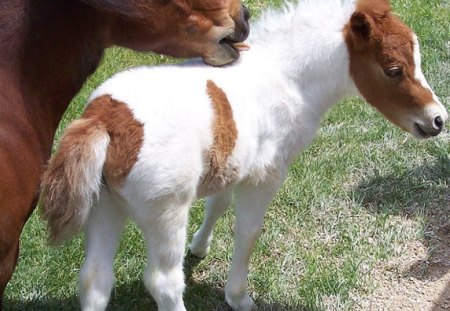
(181,28)
(385,65)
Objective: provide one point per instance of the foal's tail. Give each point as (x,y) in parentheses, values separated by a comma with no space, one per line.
(73,177)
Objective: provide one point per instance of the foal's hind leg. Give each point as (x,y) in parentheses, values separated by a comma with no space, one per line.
(216,206)
(164,228)
(102,232)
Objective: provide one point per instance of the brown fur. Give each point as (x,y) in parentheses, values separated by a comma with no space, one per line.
(65,197)
(61,199)
(48,49)
(126,136)
(220,171)
(377,40)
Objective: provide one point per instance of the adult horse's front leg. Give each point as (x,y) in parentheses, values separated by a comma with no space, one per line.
(13,217)
(9,251)
(251,204)
(20,167)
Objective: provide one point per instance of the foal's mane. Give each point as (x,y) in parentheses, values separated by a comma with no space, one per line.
(315,14)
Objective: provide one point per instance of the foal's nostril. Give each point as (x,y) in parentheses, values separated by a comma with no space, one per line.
(439,122)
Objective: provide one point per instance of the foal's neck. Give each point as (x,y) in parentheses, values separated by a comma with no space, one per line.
(315,69)
(311,74)
(307,46)
(320,68)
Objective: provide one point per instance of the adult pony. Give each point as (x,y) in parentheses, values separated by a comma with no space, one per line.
(154,139)
(47,50)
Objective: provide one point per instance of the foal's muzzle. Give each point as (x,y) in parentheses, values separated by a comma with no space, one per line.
(433,121)
(431,130)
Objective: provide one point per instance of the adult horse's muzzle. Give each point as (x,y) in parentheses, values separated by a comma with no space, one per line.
(226,51)
(242,29)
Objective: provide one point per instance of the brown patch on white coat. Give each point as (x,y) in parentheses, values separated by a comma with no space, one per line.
(382,64)
(220,172)
(74,172)
(126,136)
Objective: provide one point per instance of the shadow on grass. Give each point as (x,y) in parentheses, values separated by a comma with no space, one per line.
(424,191)
(41,305)
(414,192)
(133,296)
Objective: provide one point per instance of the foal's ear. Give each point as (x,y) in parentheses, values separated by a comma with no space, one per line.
(361,26)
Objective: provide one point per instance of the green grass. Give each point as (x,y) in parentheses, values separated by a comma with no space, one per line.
(355,198)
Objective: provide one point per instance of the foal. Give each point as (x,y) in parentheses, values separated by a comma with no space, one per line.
(49,48)
(153,139)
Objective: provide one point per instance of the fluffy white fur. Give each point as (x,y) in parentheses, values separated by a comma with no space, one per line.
(296,69)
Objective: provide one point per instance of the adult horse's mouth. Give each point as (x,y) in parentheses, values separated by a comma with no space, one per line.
(238,46)
(227,51)
(228,41)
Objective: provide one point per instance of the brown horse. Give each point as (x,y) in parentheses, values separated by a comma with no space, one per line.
(49,48)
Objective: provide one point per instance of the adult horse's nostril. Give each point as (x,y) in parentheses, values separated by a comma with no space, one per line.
(247,13)
(439,122)
(242,25)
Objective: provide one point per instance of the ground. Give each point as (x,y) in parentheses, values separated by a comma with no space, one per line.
(418,279)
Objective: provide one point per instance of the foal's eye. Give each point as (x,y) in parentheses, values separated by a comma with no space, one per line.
(394,71)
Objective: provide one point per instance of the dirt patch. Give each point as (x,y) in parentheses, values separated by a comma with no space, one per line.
(418,279)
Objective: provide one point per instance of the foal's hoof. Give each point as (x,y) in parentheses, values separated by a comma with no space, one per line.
(244,304)
(198,250)
(199,247)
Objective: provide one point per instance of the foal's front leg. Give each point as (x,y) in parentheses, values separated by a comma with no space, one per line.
(216,206)
(251,204)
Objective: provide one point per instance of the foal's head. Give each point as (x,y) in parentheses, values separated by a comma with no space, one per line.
(181,28)
(385,65)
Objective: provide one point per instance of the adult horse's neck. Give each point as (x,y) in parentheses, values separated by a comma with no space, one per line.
(57,44)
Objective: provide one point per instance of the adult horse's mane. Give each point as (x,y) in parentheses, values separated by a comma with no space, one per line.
(128,8)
